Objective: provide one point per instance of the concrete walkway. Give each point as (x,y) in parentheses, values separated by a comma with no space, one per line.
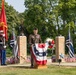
(27,65)
(17,65)
(64,64)
(69,64)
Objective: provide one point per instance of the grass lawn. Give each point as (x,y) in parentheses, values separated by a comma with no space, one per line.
(51,70)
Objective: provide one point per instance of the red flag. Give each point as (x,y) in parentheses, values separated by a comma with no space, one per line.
(3,21)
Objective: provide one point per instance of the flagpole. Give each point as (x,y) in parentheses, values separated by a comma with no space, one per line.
(69,28)
(69,34)
(14,48)
(4,36)
(3,33)
(14,41)
(4,40)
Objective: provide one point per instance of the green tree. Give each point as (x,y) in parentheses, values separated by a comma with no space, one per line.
(39,14)
(13,20)
(67,12)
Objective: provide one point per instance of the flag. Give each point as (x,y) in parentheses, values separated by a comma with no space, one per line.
(39,52)
(13,44)
(3,21)
(13,39)
(69,45)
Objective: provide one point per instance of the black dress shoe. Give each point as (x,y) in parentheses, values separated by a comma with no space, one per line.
(3,64)
(31,66)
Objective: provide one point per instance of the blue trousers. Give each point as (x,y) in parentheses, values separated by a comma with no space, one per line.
(3,57)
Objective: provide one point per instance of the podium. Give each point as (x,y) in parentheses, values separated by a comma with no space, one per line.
(40,66)
(39,53)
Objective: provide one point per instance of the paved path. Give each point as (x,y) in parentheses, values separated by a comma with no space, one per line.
(27,65)
(64,64)
(17,65)
(72,64)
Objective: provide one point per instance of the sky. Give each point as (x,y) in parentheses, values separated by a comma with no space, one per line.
(17,4)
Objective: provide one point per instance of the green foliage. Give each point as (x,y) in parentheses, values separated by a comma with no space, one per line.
(38,14)
(13,20)
(51,17)
(67,9)
(9,52)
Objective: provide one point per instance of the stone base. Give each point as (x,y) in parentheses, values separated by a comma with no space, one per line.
(63,60)
(41,66)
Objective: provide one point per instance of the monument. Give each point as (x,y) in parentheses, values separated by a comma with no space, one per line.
(60,48)
(22,46)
